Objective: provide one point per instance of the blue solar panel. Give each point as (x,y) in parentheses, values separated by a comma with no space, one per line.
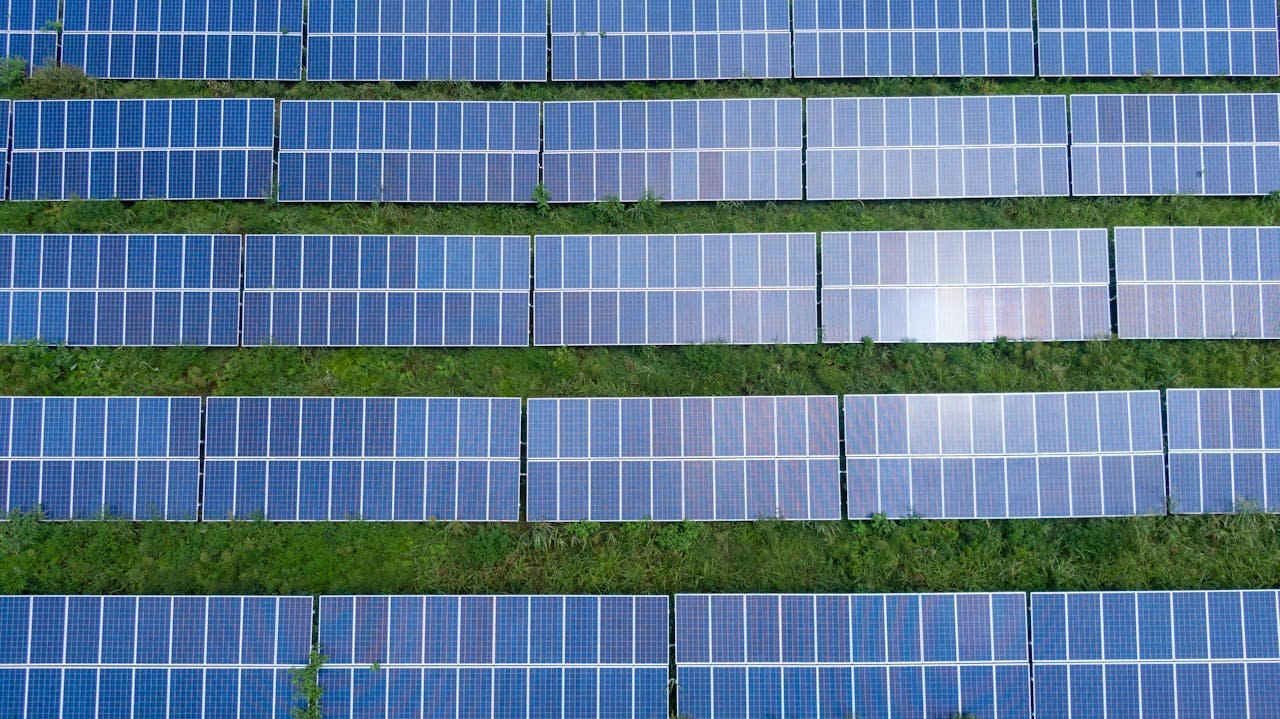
(966,286)
(129,656)
(323,290)
(936,147)
(1073,454)
(408,151)
(188,39)
(678,150)
(29,30)
(120,290)
(663,40)
(493,40)
(339,458)
(1224,450)
(81,457)
(1171,37)
(1150,655)
(676,458)
(871,656)
(485,656)
(681,289)
(142,149)
(1198,282)
(918,38)
(1175,144)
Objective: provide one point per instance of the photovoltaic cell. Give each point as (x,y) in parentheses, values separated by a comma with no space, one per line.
(116,290)
(494,656)
(1224,450)
(1155,654)
(464,40)
(681,289)
(1172,37)
(936,147)
(382,459)
(675,150)
(966,286)
(1175,144)
(663,40)
(90,457)
(872,656)
(187,39)
(956,456)
(29,31)
(678,458)
(340,151)
(1198,282)
(322,290)
(95,656)
(919,38)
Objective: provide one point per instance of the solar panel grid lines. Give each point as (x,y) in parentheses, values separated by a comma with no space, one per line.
(28,31)
(1223,450)
(991,38)
(966,285)
(1209,144)
(936,147)
(661,40)
(412,40)
(674,150)
(1034,455)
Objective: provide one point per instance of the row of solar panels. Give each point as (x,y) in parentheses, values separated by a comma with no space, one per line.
(954,456)
(1068,655)
(677,150)
(508,40)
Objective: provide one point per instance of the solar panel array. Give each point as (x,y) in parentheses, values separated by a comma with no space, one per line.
(867,655)
(506,656)
(677,458)
(90,457)
(375,290)
(879,38)
(966,286)
(1155,654)
(192,40)
(339,458)
(367,151)
(120,290)
(662,40)
(463,40)
(675,289)
(1224,450)
(675,150)
(936,147)
(92,656)
(28,30)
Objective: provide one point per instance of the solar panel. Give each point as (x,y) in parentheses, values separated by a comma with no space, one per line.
(1175,144)
(323,290)
(187,39)
(993,456)
(675,289)
(90,457)
(919,38)
(1172,37)
(1198,282)
(116,290)
(1155,654)
(371,151)
(465,40)
(131,656)
(663,40)
(29,30)
(383,459)
(863,655)
(966,286)
(677,458)
(902,148)
(506,656)
(1224,450)
(678,150)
